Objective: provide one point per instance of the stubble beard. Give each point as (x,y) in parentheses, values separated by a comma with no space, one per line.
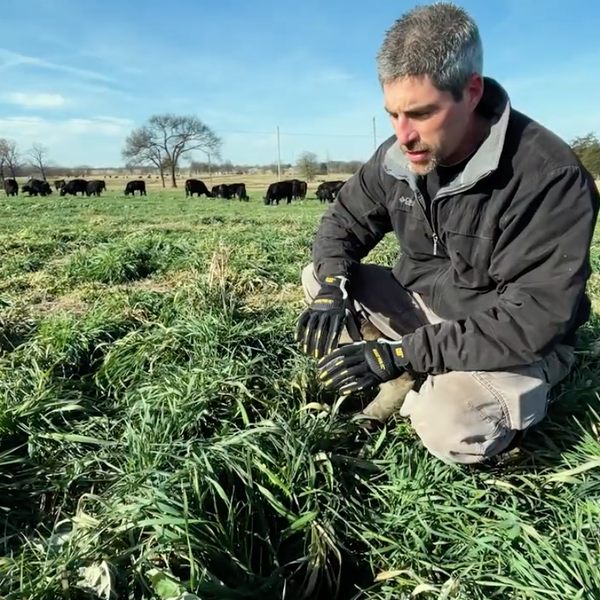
(426,167)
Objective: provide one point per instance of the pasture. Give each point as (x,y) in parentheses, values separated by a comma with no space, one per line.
(161,433)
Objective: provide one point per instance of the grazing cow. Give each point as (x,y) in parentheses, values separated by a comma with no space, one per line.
(239,190)
(37,187)
(74,187)
(133,186)
(328,190)
(299,188)
(230,190)
(279,190)
(11,187)
(222,191)
(59,183)
(95,187)
(195,186)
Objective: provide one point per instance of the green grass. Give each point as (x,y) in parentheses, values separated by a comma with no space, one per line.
(161,433)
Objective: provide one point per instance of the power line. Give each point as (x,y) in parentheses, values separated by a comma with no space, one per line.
(283,133)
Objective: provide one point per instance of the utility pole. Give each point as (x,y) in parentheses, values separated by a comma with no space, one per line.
(209,167)
(278,156)
(293,165)
(374,135)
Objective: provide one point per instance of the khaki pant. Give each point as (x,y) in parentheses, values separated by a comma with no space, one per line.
(460,416)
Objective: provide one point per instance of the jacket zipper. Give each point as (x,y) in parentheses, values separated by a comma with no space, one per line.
(434,236)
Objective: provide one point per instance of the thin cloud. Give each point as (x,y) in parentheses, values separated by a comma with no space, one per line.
(38,127)
(34,100)
(10,60)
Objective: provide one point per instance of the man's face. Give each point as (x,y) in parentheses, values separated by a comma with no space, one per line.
(431,126)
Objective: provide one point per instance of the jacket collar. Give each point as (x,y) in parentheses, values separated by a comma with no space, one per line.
(483,162)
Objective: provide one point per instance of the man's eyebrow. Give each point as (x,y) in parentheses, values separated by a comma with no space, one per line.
(419,109)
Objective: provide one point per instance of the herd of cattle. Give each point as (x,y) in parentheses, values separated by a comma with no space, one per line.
(38,187)
(287,190)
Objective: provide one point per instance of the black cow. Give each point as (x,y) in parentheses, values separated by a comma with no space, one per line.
(279,190)
(239,190)
(195,186)
(11,187)
(95,187)
(230,190)
(328,190)
(222,190)
(37,187)
(74,187)
(59,183)
(299,188)
(133,186)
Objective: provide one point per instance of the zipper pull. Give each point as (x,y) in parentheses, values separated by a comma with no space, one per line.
(435,241)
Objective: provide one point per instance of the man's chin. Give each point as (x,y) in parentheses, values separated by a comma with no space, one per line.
(422,167)
(421,163)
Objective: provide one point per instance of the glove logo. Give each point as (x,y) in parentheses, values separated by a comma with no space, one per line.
(378,358)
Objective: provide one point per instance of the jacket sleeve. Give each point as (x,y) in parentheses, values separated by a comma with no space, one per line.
(541,262)
(355,223)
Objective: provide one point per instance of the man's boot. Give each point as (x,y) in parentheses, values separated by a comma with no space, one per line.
(388,401)
(391,393)
(368,332)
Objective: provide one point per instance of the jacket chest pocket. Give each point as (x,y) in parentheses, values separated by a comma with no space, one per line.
(411,229)
(470,257)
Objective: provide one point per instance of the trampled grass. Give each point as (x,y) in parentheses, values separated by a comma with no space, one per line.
(161,433)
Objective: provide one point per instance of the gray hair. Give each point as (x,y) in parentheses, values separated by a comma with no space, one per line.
(439,40)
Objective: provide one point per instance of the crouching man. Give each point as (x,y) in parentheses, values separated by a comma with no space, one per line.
(494,216)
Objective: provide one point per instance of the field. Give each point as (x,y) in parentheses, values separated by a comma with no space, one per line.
(160,432)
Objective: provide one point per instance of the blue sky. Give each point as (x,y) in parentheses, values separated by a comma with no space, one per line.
(77,75)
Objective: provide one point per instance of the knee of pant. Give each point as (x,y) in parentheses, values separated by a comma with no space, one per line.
(458,419)
(310,285)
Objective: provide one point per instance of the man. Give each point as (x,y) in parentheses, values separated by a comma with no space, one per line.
(494,216)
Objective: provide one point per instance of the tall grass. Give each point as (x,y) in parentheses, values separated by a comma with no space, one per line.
(160,433)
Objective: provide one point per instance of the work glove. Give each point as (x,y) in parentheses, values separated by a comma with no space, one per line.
(320,325)
(362,365)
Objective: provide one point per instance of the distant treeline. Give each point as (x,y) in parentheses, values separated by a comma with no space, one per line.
(194,169)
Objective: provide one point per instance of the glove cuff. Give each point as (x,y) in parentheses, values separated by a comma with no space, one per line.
(338,281)
(397,353)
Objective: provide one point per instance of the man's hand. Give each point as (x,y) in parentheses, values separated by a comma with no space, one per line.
(362,365)
(320,326)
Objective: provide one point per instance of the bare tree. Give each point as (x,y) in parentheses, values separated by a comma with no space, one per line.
(140,149)
(9,156)
(3,153)
(38,153)
(307,165)
(168,138)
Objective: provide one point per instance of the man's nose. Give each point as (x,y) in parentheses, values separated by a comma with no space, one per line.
(405,132)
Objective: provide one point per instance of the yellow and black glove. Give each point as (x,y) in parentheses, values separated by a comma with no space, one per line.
(321,324)
(362,365)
